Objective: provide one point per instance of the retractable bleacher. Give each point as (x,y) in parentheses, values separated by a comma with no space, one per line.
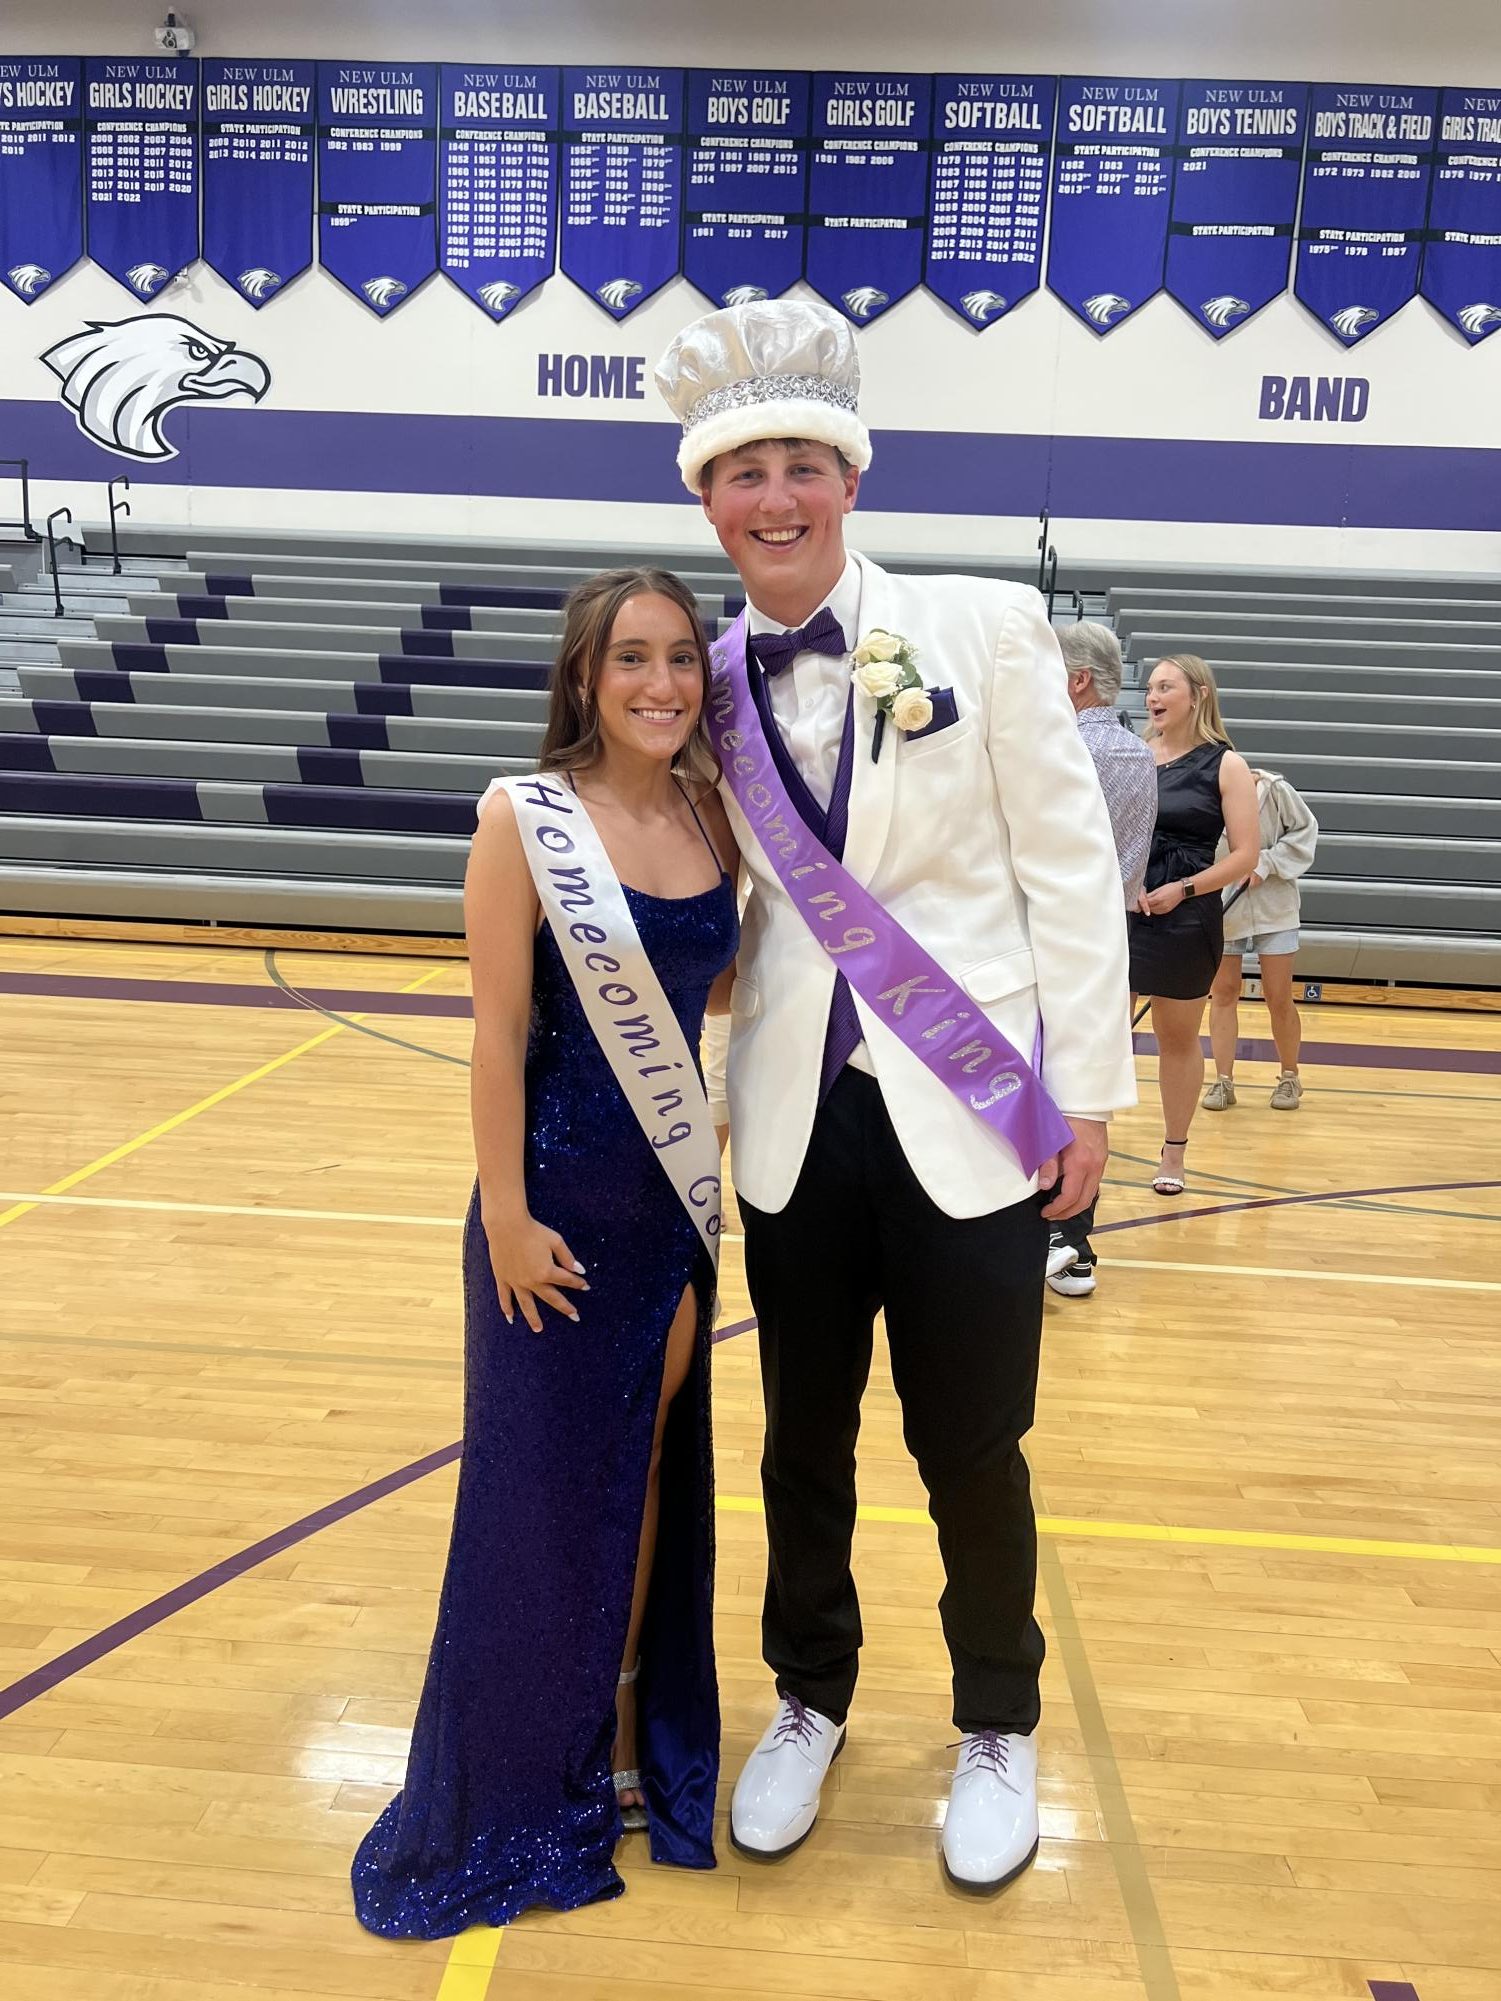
(284,730)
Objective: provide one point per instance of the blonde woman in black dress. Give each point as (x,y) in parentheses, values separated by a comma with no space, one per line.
(1204,790)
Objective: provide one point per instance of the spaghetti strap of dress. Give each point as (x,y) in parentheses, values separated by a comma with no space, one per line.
(700,825)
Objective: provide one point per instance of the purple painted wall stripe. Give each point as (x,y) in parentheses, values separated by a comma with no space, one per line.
(1275,481)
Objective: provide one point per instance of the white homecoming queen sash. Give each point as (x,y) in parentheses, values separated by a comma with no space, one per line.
(621,996)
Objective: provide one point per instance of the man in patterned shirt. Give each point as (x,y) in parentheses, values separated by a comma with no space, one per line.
(1128,778)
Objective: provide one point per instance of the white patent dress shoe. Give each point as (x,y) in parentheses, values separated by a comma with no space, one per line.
(776,1795)
(991,1832)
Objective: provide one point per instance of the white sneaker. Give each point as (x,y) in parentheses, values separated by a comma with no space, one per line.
(776,1796)
(1074,1281)
(1060,1256)
(991,1832)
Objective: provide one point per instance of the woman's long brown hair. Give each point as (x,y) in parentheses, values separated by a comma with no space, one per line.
(571,740)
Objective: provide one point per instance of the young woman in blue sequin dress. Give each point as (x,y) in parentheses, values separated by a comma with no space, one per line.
(574,1632)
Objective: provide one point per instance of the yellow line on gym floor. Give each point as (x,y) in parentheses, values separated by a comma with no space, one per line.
(1061,1525)
(232,1209)
(470,1964)
(130,1146)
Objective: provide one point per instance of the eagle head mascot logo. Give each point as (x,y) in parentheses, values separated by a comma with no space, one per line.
(1225,310)
(982,306)
(30,279)
(1105,308)
(618,293)
(744,295)
(383,293)
(1353,321)
(147,279)
(1476,320)
(865,300)
(499,295)
(120,378)
(258,284)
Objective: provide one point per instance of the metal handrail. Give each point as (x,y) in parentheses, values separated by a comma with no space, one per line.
(57,591)
(1051,567)
(28,533)
(116,508)
(1042,544)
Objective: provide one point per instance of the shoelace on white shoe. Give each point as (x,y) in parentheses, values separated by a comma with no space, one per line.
(987,1751)
(796,1725)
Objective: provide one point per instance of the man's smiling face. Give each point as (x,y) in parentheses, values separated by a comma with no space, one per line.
(778,508)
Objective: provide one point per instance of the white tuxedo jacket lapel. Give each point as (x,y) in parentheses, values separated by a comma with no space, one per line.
(872,785)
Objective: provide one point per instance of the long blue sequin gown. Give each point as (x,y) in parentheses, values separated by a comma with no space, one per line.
(509,1801)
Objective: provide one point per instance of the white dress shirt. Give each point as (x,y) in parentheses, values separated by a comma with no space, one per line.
(808,701)
(808,698)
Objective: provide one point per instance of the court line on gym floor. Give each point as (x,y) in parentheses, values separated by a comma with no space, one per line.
(104,987)
(195,1588)
(177,1119)
(274,1213)
(473,1955)
(1133,1879)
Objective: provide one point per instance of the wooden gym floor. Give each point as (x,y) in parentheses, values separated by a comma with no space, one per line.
(1266,1454)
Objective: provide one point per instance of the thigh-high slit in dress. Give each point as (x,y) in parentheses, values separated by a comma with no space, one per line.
(508,1800)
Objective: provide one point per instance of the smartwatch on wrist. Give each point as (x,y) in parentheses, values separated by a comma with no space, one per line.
(1188,888)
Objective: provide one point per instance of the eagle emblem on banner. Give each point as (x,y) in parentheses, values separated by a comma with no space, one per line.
(259,283)
(1105,308)
(982,306)
(1225,310)
(147,279)
(865,300)
(1352,321)
(744,295)
(618,294)
(1476,319)
(121,378)
(383,292)
(29,279)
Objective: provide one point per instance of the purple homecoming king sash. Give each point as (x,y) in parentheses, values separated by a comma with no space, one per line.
(904,986)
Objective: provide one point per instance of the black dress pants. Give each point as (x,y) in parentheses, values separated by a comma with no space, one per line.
(963,1306)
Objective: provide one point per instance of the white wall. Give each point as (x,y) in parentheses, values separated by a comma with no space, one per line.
(1038,372)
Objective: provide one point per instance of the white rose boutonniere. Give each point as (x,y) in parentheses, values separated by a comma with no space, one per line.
(885,668)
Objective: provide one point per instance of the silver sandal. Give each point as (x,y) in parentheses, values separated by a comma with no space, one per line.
(632,1818)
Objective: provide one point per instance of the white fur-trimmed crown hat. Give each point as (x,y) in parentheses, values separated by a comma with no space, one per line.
(774,368)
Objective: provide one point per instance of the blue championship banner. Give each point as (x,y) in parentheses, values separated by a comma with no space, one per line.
(41,155)
(497,181)
(868,189)
(141,149)
(1235,198)
(1365,203)
(1112,195)
(377,178)
(257,173)
(747,184)
(622,183)
(1462,260)
(992,140)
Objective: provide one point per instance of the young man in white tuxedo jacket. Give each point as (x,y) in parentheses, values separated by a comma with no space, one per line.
(865,1184)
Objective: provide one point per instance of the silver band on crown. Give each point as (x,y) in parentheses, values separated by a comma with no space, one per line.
(771,389)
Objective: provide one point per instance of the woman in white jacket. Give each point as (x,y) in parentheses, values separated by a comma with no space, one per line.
(1265,921)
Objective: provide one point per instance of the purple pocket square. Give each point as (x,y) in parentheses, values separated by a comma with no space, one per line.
(945,714)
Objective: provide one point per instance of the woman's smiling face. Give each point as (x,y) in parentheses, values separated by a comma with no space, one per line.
(650,685)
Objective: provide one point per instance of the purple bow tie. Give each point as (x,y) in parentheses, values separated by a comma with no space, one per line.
(775,650)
